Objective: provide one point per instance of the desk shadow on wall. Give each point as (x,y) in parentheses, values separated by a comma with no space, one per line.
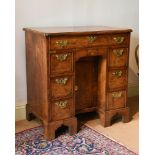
(133,83)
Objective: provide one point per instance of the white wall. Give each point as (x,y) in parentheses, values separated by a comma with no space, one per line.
(29,13)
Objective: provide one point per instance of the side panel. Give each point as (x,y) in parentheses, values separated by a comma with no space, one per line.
(36,67)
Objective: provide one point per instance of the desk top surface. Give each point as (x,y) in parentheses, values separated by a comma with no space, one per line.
(77,30)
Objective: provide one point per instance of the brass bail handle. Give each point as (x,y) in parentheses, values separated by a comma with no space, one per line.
(61,81)
(117,73)
(62,43)
(118,52)
(61,104)
(61,57)
(118,40)
(91,39)
(116,94)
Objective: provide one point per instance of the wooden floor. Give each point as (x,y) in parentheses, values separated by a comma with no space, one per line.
(125,133)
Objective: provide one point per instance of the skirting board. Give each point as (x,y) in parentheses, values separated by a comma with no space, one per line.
(20,113)
(133,90)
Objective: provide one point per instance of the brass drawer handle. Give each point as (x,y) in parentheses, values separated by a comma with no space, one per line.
(118,40)
(61,57)
(118,52)
(91,39)
(61,81)
(116,94)
(117,73)
(62,43)
(61,104)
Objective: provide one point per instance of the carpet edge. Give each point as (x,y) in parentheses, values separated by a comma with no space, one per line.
(111,138)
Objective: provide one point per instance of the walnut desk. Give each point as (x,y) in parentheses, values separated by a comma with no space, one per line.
(73,70)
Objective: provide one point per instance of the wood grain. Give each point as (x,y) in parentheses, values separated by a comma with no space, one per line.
(36,66)
(73,70)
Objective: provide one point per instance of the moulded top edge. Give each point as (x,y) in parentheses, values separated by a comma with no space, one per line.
(76,30)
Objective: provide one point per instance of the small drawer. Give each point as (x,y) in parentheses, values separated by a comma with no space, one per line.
(61,86)
(117,79)
(116,100)
(88,52)
(61,62)
(61,109)
(118,57)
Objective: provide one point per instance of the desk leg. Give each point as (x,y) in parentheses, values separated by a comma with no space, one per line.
(72,124)
(50,128)
(104,119)
(102,91)
(107,116)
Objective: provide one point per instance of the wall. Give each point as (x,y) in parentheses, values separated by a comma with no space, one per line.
(34,13)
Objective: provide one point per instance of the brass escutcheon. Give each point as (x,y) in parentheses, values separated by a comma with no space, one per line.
(76,88)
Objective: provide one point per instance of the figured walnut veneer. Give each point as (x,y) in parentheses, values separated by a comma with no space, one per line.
(74,70)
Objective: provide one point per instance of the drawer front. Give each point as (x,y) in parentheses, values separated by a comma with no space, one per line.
(117,79)
(61,109)
(63,42)
(118,57)
(61,86)
(116,100)
(90,52)
(61,62)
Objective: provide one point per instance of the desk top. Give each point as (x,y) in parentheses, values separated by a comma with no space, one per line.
(76,30)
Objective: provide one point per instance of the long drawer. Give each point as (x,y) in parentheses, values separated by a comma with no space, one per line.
(63,42)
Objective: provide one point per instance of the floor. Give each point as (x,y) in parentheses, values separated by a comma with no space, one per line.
(124,133)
